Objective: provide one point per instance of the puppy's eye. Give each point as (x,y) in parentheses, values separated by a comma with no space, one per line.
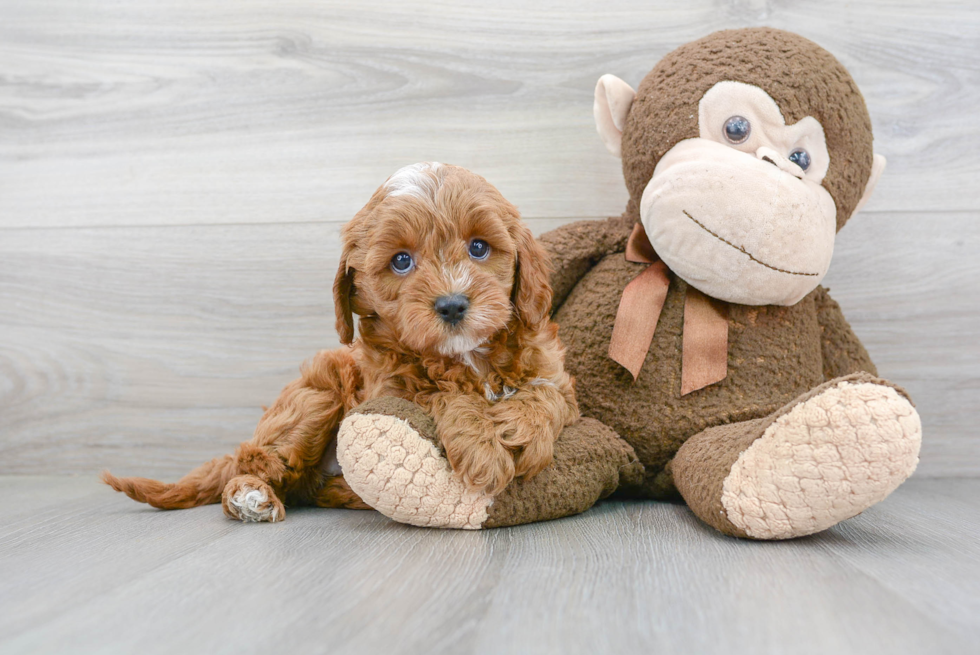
(479,249)
(801,158)
(737,129)
(402,263)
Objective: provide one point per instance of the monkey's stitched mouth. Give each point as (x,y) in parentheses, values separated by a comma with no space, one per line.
(744,251)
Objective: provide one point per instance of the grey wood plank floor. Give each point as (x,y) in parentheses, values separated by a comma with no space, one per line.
(85,570)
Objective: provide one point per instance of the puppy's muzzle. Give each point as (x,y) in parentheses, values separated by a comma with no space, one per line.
(452,309)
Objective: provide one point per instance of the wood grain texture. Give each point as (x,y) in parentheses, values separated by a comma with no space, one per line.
(238,111)
(95,572)
(173,178)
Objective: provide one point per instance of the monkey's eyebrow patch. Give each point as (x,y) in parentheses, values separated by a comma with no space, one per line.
(745,252)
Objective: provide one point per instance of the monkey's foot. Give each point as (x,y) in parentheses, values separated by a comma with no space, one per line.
(391,458)
(839,450)
(251,500)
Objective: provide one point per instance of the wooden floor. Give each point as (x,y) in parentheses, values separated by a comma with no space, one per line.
(85,570)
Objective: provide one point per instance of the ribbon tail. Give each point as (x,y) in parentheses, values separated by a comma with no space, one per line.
(637,316)
(705,345)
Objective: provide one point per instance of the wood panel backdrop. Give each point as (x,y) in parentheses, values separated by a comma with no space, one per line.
(173,177)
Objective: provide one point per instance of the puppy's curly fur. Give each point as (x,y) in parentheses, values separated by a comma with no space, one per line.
(494,381)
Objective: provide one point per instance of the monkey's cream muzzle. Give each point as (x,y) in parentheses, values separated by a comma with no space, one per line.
(739,211)
(736,226)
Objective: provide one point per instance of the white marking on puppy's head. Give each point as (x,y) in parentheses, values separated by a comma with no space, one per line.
(420,181)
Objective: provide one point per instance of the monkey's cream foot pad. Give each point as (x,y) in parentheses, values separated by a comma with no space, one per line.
(390,456)
(399,472)
(825,460)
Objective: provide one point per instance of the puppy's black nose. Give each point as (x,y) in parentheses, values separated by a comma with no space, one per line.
(452,308)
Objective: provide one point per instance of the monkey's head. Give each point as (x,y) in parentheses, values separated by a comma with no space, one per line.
(744,153)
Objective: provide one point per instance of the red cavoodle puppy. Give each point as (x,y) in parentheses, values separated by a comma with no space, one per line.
(453,299)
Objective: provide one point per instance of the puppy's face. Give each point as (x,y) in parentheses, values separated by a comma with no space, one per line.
(442,260)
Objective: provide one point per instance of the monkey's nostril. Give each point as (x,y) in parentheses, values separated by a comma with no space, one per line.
(766,158)
(452,309)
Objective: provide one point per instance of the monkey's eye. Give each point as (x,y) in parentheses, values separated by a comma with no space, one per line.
(801,158)
(737,129)
(402,263)
(479,249)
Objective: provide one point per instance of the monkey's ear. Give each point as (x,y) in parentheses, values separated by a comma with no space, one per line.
(613,99)
(876,168)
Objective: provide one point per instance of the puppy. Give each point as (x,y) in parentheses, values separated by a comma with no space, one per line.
(452,294)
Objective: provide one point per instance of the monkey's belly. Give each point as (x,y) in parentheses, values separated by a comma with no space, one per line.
(773,356)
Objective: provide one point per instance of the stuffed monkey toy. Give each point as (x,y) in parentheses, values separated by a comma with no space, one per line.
(717,368)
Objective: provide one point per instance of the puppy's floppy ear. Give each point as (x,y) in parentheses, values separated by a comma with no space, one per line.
(531,294)
(354,235)
(343,289)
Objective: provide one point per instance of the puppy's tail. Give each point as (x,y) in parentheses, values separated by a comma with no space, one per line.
(202,486)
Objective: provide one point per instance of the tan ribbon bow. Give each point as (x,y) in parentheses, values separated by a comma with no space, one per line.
(704,359)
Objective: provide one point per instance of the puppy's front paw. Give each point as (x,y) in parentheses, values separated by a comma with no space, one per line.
(484,465)
(536,455)
(251,500)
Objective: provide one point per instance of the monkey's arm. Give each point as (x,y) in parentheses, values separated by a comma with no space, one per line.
(843,352)
(577,247)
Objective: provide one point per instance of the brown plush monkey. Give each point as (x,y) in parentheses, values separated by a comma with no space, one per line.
(695,324)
